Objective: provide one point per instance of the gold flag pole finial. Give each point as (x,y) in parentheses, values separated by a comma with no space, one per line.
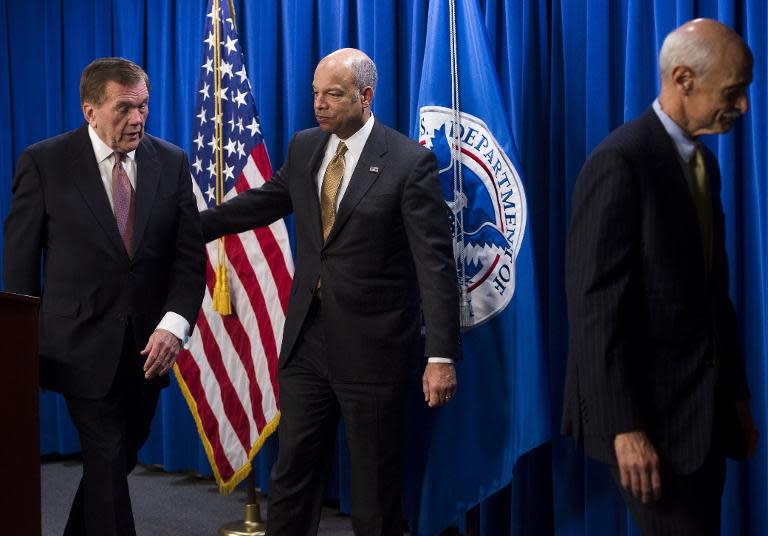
(222,303)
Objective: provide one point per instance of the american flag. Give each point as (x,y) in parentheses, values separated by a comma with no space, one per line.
(228,373)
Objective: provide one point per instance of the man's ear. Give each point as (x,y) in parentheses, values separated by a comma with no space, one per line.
(683,79)
(366,96)
(89,113)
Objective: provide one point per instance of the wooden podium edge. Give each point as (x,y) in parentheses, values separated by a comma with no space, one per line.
(20,409)
(24,298)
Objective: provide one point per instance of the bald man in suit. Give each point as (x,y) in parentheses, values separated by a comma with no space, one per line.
(374,250)
(655,385)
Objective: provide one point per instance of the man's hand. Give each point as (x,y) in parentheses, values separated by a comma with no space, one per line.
(161,351)
(638,466)
(438,383)
(748,426)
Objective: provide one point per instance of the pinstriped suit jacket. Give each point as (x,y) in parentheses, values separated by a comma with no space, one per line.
(652,343)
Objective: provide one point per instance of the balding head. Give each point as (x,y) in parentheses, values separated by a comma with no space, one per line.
(699,44)
(343,86)
(361,66)
(705,71)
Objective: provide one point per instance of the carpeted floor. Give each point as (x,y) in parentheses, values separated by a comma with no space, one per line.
(164,504)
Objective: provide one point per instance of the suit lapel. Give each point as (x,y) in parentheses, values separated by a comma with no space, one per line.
(669,164)
(368,168)
(87,179)
(147,180)
(314,201)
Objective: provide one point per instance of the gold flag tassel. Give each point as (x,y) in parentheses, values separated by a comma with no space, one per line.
(222,303)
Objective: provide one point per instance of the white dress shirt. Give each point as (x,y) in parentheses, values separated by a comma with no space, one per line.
(355,144)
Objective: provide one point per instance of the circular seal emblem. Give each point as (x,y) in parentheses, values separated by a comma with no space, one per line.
(486,207)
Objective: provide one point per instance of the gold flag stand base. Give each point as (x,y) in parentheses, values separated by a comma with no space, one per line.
(252,524)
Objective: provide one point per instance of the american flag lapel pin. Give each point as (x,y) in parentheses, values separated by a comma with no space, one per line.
(373,169)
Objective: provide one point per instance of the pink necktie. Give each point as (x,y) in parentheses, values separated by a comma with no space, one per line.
(124,202)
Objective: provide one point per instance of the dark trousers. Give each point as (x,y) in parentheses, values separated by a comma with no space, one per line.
(311,403)
(112,429)
(689,504)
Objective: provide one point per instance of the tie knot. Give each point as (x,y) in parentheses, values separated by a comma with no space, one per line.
(119,157)
(341,149)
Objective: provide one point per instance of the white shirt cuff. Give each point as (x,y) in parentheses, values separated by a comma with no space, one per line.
(440,360)
(176,324)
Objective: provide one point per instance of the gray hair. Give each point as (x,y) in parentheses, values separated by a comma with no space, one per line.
(365,73)
(683,47)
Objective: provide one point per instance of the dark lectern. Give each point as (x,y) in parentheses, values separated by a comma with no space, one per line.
(20,446)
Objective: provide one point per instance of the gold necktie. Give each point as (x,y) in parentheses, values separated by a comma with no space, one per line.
(329,191)
(702,200)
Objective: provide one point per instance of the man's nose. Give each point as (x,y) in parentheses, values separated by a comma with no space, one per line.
(135,116)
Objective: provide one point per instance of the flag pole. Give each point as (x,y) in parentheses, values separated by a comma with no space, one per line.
(465,303)
(252,525)
(221,300)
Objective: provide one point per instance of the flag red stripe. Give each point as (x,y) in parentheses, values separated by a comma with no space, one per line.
(191,374)
(242,346)
(238,257)
(275,260)
(231,404)
(261,159)
(272,253)
(230,401)
(269,246)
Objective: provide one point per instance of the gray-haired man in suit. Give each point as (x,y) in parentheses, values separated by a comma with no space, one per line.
(656,386)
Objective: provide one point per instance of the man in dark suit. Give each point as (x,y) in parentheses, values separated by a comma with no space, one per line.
(109,211)
(656,384)
(374,249)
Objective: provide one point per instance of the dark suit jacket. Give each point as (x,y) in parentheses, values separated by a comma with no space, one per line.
(652,337)
(91,289)
(389,248)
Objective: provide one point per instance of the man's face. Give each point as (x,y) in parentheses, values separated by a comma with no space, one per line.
(719,96)
(119,120)
(339,109)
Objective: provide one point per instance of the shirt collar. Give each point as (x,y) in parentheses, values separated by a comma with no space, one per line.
(686,147)
(101,149)
(356,142)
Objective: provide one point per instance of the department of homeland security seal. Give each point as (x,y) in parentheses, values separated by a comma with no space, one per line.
(491,202)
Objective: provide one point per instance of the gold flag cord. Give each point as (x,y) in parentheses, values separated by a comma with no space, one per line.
(221,300)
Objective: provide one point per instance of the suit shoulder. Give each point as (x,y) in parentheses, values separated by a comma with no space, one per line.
(309,135)
(640,136)
(403,146)
(59,143)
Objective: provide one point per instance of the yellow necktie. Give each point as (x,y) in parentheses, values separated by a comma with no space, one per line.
(329,191)
(702,200)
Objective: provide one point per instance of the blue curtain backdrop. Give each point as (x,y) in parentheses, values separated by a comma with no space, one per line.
(570,71)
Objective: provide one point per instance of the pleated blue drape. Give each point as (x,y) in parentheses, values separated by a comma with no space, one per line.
(570,71)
